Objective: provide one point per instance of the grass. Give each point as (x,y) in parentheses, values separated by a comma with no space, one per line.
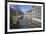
(14,20)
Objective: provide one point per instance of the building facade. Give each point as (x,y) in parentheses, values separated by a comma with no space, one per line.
(29,14)
(36,12)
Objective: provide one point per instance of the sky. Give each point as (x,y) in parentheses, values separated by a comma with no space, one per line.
(23,8)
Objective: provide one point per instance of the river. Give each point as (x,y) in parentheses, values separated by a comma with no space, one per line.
(22,22)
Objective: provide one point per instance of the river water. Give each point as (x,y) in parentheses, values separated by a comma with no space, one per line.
(22,22)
